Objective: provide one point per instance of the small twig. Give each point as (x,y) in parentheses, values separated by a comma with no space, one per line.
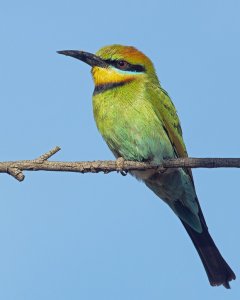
(16,173)
(15,168)
(47,155)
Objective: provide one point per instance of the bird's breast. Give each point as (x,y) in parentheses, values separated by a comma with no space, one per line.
(130,126)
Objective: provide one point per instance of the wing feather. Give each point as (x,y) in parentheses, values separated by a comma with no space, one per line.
(168,114)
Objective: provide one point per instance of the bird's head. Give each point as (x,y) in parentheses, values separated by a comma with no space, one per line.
(116,64)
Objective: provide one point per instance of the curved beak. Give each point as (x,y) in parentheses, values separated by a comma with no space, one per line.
(89,58)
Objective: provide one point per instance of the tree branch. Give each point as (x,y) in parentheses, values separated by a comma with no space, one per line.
(15,168)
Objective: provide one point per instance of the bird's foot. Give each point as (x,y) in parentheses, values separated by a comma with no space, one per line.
(120,166)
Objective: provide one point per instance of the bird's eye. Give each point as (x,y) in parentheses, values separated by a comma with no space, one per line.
(122,64)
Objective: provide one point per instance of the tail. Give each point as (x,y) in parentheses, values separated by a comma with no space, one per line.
(218,271)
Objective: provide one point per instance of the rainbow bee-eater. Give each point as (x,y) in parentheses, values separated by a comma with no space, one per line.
(139,122)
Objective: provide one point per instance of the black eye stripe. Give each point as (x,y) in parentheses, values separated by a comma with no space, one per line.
(129,67)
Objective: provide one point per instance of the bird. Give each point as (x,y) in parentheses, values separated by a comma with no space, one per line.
(139,122)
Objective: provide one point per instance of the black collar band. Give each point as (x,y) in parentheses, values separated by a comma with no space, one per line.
(108,86)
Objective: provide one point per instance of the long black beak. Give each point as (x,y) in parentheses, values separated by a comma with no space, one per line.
(89,58)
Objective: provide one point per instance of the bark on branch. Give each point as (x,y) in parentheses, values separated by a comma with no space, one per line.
(15,168)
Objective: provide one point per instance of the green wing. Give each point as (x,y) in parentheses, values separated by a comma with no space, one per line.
(172,124)
(188,208)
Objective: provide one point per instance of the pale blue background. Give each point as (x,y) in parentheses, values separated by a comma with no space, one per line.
(73,236)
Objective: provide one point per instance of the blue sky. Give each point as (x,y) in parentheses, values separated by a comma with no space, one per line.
(95,236)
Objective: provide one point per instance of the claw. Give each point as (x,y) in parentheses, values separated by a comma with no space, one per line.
(120,164)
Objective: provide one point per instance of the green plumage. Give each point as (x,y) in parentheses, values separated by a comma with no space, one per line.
(138,121)
(130,119)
